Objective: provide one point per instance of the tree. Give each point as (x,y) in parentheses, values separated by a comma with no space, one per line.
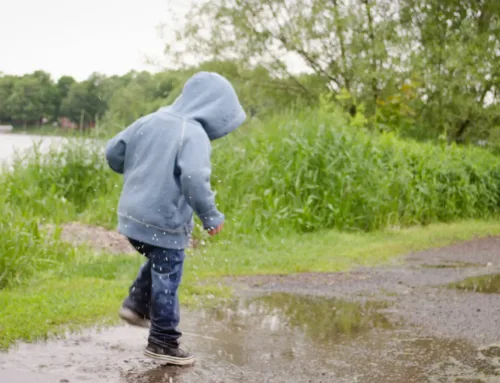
(31,98)
(6,85)
(456,58)
(87,100)
(429,67)
(140,94)
(346,43)
(129,103)
(63,87)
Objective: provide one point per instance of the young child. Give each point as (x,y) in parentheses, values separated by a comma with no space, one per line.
(165,160)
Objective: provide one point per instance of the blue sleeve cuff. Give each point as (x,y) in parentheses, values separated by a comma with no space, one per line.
(212,219)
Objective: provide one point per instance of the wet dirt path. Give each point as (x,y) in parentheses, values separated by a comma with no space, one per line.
(432,317)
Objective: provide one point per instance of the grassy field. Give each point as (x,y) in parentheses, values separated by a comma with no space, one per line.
(88,289)
(302,192)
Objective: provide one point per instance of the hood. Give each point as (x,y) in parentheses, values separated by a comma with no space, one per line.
(211,100)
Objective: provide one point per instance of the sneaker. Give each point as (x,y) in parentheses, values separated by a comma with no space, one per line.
(170,355)
(133,318)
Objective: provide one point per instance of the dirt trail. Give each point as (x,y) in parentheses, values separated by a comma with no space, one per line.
(428,318)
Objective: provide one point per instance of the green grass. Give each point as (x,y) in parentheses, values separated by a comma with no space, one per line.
(34,312)
(303,193)
(311,170)
(89,289)
(86,291)
(330,250)
(293,173)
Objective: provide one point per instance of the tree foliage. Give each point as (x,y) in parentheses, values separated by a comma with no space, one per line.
(119,100)
(29,98)
(426,67)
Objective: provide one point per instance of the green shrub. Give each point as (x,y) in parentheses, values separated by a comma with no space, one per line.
(310,170)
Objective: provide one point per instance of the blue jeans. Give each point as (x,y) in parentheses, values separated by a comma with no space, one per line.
(154,292)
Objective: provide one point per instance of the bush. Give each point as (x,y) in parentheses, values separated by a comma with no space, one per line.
(310,170)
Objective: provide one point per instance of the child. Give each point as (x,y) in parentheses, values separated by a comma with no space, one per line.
(165,160)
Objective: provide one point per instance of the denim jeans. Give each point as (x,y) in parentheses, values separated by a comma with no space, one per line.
(154,292)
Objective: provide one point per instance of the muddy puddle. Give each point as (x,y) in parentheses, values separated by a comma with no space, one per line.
(488,284)
(449,265)
(276,337)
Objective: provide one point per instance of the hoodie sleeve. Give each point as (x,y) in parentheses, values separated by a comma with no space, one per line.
(195,169)
(116,148)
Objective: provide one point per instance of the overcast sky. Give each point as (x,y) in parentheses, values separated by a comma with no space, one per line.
(80,37)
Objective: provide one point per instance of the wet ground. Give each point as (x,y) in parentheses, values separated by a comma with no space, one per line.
(98,238)
(432,317)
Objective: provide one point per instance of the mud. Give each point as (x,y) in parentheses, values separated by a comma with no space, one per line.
(96,237)
(417,287)
(412,321)
(484,284)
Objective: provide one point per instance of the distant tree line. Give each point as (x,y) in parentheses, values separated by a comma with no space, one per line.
(426,69)
(35,99)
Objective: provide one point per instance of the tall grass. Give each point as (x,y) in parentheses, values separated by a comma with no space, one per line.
(310,171)
(49,188)
(25,248)
(298,172)
(65,184)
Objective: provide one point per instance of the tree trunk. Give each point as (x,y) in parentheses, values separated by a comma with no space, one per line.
(371,35)
(81,121)
(345,74)
(459,137)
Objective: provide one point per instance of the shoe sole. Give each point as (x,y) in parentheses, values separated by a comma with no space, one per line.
(170,359)
(132,318)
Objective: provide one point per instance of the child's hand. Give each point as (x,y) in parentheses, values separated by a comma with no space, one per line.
(217,230)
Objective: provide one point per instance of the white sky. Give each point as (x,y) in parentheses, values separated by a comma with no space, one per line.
(68,37)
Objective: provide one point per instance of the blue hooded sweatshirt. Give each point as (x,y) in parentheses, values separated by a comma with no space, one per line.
(165,160)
